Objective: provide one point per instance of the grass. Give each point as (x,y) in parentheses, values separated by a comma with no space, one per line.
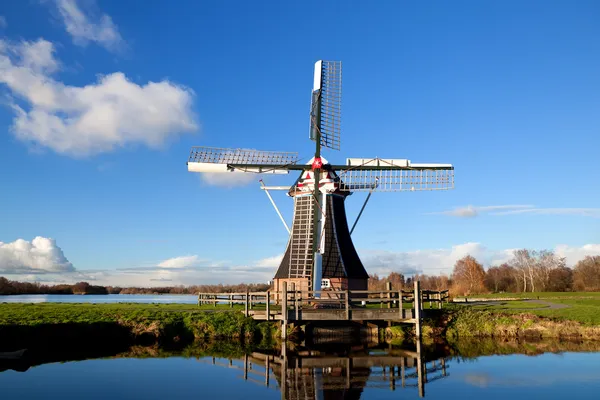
(161,321)
(536,295)
(468,322)
(584,311)
(579,318)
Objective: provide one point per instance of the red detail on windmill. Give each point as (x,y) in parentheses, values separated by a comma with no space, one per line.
(317,163)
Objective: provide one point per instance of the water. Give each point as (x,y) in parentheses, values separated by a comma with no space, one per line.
(107,298)
(352,373)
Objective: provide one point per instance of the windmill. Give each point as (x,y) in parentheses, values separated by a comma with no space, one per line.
(320,253)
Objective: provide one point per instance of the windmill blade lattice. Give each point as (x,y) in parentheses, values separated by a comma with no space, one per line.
(395,180)
(327,119)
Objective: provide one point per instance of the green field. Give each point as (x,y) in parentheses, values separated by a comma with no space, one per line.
(535,295)
(583,310)
(162,321)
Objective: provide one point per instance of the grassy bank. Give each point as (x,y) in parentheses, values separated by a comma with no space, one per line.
(162,323)
(534,295)
(585,311)
(471,322)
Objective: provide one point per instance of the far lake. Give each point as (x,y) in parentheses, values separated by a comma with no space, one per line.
(105,298)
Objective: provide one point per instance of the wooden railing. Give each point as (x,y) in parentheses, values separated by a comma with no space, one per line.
(274,302)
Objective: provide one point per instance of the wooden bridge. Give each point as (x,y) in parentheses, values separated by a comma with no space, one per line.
(296,307)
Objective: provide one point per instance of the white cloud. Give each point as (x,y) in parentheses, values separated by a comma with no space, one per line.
(40,256)
(179,262)
(86,26)
(272,262)
(99,117)
(3,23)
(574,254)
(229,179)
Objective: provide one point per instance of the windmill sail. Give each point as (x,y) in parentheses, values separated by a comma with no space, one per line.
(393,175)
(214,159)
(326,107)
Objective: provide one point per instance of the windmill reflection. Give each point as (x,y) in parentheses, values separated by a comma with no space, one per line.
(341,373)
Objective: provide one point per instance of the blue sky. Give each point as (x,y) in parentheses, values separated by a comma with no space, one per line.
(101,102)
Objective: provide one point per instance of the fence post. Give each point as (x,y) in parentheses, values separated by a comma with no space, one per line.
(294,304)
(284,313)
(246,305)
(400,306)
(347,304)
(417,309)
(268,305)
(439,300)
(388,287)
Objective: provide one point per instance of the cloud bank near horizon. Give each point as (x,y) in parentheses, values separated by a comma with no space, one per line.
(42,260)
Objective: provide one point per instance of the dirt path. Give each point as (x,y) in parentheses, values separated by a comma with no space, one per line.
(551,306)
(548,305)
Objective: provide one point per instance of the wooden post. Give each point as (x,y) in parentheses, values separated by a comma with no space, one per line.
(268,306)
(199,299)
(439,300)
(295,303)
(403,370)
(267,368)
(215,300)
(230,301)
(284,313)
(347,304)
(245,367)
(388,287)
(246,308)
(417,309)
(420,372)
(400,306)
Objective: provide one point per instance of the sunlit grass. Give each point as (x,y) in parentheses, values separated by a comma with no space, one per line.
(536,295)
(585,311)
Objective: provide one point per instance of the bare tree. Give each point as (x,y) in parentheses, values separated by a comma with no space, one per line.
(468,276)
(586,275)
(524,263)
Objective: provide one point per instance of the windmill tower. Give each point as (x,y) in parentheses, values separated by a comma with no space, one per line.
(320,253)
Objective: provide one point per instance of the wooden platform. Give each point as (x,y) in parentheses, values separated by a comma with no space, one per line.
(290,306)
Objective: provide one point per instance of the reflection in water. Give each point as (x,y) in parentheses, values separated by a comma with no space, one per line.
(525,370)
(342,373)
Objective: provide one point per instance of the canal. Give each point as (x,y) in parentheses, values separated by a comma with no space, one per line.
(223,370)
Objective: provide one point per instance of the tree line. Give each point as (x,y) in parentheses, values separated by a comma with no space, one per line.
(526,271)
(8,287)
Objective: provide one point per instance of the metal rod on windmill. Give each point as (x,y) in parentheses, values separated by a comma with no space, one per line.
(320,253)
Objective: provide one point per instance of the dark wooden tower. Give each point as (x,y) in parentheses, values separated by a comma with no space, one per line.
(341,265)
